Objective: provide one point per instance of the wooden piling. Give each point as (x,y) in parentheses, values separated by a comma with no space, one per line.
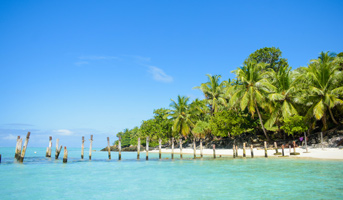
(16,154)
(82,146)
(214,151)
(90,148)
(276,149)
(21,159)
(294,152)
(50,146)
(119,148)
(252,150)
(0,158)
(194,148)
(20,144)
(172,153)
(109,148)
(138,147)
(201,151)
(180,148)
(244,150)
(147,148)
(233,151)
(290,149)
(265,149)
(65,155)
(236,151)
(58,150)
(283,150)
(306,142)
(160,148)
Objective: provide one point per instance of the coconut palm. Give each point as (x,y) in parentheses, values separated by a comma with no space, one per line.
(282,88)
(324,90)
(251,91)
(213,91)
(181,116)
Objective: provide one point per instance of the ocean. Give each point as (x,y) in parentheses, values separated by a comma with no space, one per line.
(222,178)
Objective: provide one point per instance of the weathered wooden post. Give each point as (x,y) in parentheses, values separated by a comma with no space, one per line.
(214,151)
(58,150)
(244,150)
(306,142)
(90,148)
(82,146)
(237,151)
(21,159)
(119,148)
(50,147)
(276,149)
(265,149)
(17,148)
(172,153)
(194,149)
(283,150)
(147,148)
(138,148)
(252,150)
(294,153)
(180,148)
(233,151)
(0,158)
(290,149)
(109,148)
(201,152)
(65,155)
(160,148)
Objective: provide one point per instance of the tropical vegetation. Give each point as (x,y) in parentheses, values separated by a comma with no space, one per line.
(266,99)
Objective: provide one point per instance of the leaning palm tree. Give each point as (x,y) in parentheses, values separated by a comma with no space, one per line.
(283,95)
(180,115)
(250,93)
(213,91)
(324,92)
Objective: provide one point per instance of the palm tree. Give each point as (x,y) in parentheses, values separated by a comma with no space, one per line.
(250,93)
(213,91)
(198,110)
(282,87)
(324,92)
(181,116)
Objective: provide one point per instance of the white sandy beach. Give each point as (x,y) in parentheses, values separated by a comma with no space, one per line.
(317,153)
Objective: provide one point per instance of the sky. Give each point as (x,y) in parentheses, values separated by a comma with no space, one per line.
(74,68)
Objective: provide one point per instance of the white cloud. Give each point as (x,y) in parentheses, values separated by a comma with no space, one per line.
(63,132)
(10,137)
(81,63)
(98,58)
(159,75)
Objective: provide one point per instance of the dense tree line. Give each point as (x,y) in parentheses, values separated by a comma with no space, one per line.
(267,98)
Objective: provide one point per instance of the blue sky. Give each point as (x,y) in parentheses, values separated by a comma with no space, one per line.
(74,68)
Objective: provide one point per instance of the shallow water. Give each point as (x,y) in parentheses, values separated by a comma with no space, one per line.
(224,178)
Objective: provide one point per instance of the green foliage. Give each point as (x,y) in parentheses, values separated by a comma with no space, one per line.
(294,124)
(231,123)
(201,129)
(181,116)
(125,138)
(269,55)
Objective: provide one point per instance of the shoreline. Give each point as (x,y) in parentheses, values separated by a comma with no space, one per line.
(314,153)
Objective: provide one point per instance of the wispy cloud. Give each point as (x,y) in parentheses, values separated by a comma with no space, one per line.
(63,132)
(79,63)
(98,58)
(159,75)
(10,137)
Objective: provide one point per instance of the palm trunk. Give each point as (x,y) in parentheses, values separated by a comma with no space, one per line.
(324,123)
(333,119)
(259,116)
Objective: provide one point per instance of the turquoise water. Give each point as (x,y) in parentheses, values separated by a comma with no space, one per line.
(258,178)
